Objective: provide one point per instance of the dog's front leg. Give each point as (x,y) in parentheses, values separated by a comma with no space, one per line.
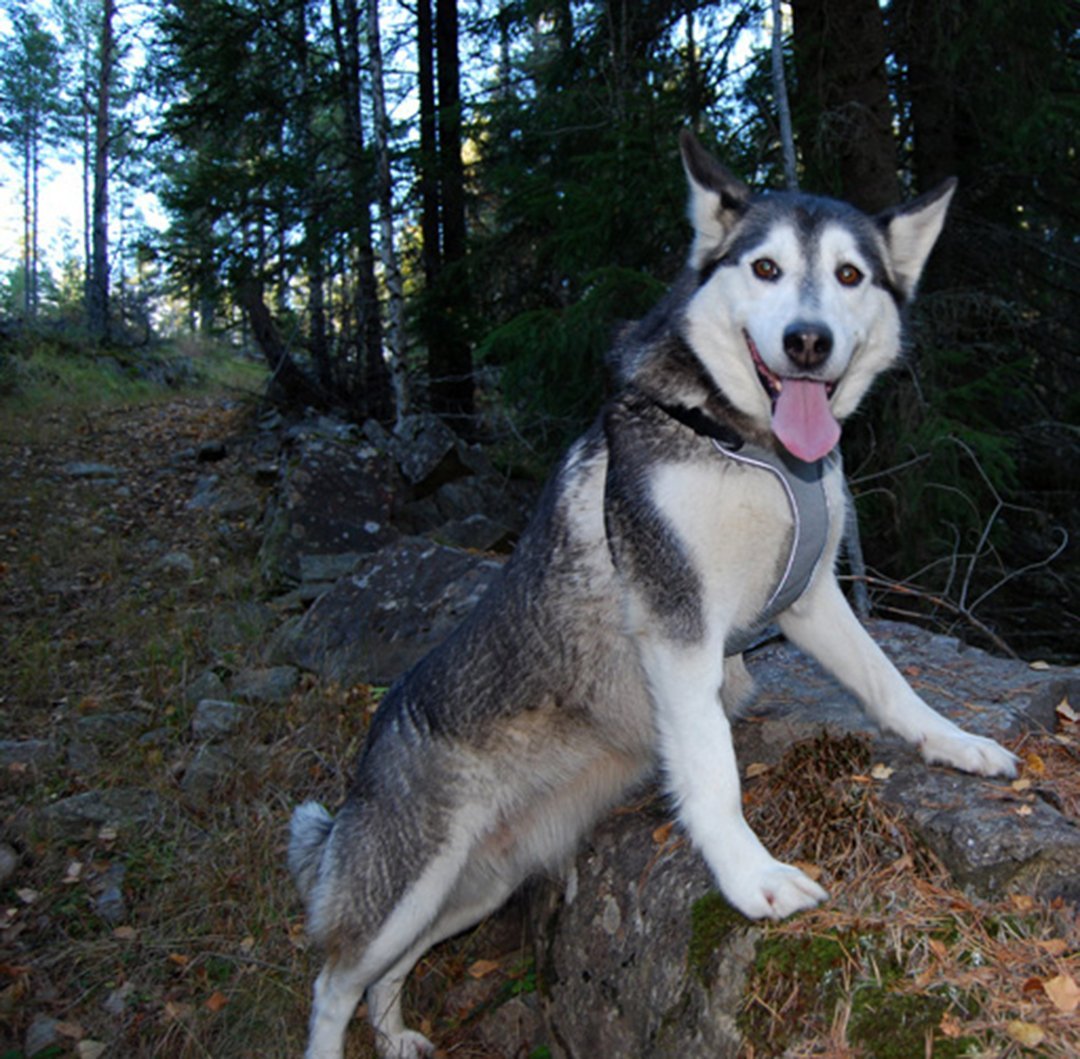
(699,759)
(823,624)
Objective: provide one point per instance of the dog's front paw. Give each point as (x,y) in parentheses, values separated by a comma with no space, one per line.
(970,753)
(408,1044)
(773,891)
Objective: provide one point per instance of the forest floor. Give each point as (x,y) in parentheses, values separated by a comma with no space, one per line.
(201,951)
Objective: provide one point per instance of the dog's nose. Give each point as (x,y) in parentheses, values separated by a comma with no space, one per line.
(808,345)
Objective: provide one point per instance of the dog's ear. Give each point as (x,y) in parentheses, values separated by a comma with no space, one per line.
(911,231)
(717,198)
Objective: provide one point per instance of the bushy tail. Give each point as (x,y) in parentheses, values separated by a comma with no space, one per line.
(308,831)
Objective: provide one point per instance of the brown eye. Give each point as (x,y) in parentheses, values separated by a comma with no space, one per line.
(767,269)
(849,275)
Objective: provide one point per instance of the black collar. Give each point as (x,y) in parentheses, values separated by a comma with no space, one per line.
(702,424)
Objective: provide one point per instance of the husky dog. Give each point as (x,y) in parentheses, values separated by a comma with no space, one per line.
(706,500)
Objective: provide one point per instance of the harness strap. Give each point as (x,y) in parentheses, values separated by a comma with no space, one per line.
(805,493)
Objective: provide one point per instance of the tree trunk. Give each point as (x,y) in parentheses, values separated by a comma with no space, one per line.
(449,355)
(392,273)
(98,291)
(845,115)
(783,108)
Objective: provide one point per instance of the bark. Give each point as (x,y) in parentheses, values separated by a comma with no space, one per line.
(783,108)
(392,273)
(449,355)
(845,116)
(297,389)
(99,271)
(98,290)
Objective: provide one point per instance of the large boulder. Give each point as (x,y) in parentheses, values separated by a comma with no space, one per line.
(387,614)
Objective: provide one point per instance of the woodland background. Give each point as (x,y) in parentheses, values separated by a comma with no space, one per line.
(429,205)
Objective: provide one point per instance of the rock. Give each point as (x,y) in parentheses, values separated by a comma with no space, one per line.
(116,807)
(9,862)
(79,469)
(425,449)
(207,685)
(37,752)
(476,533)
(43,1033)
(215,718)
(645,960)
(117,1001)
(396,606)
(178,564)
(275,684)
(109,902)
(333,499)
(211,766)
(109,728)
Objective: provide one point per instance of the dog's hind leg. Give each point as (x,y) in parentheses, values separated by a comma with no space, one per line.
(823,624)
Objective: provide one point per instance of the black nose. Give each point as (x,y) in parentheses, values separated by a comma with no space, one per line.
(808,345)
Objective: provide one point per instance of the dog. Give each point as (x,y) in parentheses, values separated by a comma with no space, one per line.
(706,500)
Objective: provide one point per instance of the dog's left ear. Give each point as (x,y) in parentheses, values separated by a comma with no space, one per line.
(911,231)
(717,198)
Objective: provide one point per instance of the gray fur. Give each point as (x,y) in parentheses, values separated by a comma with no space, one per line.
(598,654)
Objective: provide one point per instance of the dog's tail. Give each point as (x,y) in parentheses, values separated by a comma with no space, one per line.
(308,831)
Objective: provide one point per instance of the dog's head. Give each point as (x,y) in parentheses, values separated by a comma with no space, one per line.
(798,299)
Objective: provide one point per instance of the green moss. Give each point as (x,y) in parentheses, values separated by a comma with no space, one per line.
(712,919)
(889,1025)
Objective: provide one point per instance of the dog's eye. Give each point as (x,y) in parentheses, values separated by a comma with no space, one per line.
(849,275)
(765,268)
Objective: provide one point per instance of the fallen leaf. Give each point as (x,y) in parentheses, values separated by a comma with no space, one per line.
(174,1010)
(125,933)
(90,1049)
(179,959)
(1032,985)
(938,948)
(951,1026)
(881,772)
(216,1001)
(1034,764)
(812,870)
(107,834)
(482,968)
(1039,665)
(1063,991)
(1022,902)
(1020,785)
(756,768)
(663,833)
(69,1029)
(1023,810)
(1053,946)
(1029,1034)
(247,945)
(1066,712)
(73,873)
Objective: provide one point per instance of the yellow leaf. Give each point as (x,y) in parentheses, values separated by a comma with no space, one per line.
(1023,810)
(812,870)
(663,833)
(1022,902)
(951,1026)
(1020,785)
(1034,764)
(1053,946)
(179,959)
(1063,991)
(1066,712)
(756,768)
(1029,1034)
(881,772)
(482,968)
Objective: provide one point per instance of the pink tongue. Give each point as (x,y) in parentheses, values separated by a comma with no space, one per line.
(803,421)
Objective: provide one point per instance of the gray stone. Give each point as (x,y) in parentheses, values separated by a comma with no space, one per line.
(215,718)
(38,752)
(211,766)
(9,862)
(207,685)
(178,564)
(117,807)
(43,1033)
(476,533)
(391,611)
(425,448)
(109,728)
(109,901)
(333,499)
(274,684)
(82,469)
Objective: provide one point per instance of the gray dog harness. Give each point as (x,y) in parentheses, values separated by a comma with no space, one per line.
(803,485)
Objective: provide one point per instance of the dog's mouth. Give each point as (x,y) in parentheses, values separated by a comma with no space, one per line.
(801,417)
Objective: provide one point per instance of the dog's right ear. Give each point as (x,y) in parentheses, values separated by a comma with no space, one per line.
(717,198)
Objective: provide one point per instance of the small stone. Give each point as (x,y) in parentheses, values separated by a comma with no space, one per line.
(9,862)
(218,717)
(275,684)
(44,1032)
(207,685)
(179,563)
